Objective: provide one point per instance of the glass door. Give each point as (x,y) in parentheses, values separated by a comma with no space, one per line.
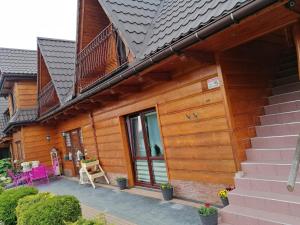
(146,149)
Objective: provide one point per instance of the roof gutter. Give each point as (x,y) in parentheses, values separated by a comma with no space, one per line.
(193,38)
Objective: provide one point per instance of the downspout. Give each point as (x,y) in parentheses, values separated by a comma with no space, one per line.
(193,38)
(92,121)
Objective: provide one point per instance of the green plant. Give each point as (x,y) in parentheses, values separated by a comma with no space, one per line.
(1,190)
(88,160)
(26,202)
(166,186)
(5,164)
(223,194)
(48,210)
(121,179)
(207,210)
(9,200)
(100,220)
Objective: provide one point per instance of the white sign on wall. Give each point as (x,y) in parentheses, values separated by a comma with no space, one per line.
(213,83)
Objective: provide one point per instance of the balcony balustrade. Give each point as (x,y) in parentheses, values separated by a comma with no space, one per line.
(100,58)
(48,99)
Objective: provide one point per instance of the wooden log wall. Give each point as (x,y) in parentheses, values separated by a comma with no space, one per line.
(197,149)
(25,94)
(247,71)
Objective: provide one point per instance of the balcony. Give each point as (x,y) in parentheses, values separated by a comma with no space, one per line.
(48,99)
(101,57)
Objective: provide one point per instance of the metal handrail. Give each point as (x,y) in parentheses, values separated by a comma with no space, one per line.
(294,168)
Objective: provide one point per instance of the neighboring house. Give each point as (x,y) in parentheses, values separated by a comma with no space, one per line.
(181,92)
(18,85)
(4,139)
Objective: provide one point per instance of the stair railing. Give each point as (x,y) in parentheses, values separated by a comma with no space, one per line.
(294,168)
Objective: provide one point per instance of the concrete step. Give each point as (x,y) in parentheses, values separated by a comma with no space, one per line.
(282,107)
(280,118)
(286,88)
(267,201)
(286,97)
(278,129)
(266,169)
(285,154)
(268,184)
(237,215)
(285,80)
(286,141)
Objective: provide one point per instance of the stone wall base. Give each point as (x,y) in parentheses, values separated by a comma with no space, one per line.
(197,191)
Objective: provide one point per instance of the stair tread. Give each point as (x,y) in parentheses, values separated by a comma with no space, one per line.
(282,103)
(277,136)
(288,93)
(286,85)
(263,215)
(278,124)
(268,178)
(272,114)
(267,195)
(279,162)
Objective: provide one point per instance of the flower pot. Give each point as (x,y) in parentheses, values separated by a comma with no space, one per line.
(167,194)
(122,184)
(209,220)
(225,201)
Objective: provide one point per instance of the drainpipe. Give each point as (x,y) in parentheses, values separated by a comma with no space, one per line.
(193,38)
(92,121)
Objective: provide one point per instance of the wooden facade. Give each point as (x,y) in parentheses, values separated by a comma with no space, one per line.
(204,129)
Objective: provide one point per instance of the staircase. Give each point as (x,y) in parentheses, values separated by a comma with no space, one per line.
(261,197)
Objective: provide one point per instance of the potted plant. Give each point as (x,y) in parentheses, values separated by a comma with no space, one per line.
(223,194)
(122,182)
(167,191)
(208,215)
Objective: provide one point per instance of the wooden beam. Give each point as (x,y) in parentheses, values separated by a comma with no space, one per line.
(200,56)
(126,88)
(159,76)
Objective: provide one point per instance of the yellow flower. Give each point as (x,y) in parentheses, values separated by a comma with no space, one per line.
(223,193)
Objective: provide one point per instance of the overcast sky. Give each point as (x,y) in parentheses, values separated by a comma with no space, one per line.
(22,21)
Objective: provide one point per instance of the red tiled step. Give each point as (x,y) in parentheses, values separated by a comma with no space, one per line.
(277,154)
(279,118)
(267,201)
(286,97)
(282,107)
(286,141)
(267,168)
(268,184)
(278,129)
(237,215)
(286,88)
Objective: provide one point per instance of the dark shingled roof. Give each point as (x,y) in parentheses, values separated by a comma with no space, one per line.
(59,56)
(150,25)
(3,108)
(18,62)
(22,116)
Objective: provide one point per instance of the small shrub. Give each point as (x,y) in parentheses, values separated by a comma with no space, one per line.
(207,210)
(49,210)
(100,220)
(26,202)
(9,200)
(1,190)
(166,186)
(5,164)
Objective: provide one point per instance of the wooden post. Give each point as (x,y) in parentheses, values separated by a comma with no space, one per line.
(296,35)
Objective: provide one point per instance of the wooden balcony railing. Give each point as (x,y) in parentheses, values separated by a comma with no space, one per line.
(47,98)
(101,57)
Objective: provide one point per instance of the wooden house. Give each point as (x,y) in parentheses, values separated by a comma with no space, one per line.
(181,92)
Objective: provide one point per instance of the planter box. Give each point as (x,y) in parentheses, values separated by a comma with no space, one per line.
(225,201)
(209,220)
(167,194)
(122,184)
(90,164)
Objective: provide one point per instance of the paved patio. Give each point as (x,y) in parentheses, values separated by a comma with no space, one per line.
(135,209)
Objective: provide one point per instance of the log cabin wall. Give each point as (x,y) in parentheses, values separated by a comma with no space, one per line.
(26,94)
(198,150)
(16,137)
(247,71)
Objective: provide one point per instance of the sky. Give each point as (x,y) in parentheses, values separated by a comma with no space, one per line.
(22,21)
